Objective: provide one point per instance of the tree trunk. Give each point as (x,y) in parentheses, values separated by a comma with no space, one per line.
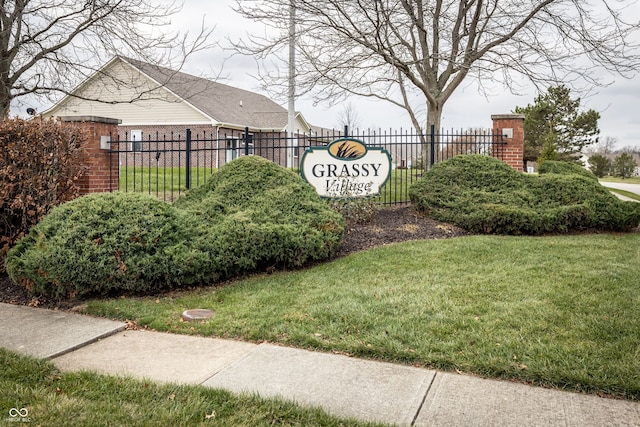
(5,98)
(429,149)
(5,106)
(434,115)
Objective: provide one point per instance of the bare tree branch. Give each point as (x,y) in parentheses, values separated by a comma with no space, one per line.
(47,47)
(395,49)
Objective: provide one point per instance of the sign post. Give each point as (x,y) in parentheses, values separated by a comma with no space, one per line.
(346,168)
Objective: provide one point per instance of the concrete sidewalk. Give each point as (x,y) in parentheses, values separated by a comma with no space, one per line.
(343,386)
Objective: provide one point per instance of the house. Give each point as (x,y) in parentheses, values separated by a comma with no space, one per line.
(156,106)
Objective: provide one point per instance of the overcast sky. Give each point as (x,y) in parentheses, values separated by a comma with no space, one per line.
(617,103)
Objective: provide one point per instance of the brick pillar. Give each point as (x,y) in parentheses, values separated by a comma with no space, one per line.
(511,126)
(103,170)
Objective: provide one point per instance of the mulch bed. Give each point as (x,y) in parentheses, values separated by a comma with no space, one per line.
(393,225)
(389,225)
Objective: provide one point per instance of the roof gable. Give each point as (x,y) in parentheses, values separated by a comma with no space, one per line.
(120,90)
(226,105)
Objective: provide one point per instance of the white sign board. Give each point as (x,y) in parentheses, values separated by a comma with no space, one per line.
(346,168)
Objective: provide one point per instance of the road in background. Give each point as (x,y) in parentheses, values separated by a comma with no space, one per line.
(633,188)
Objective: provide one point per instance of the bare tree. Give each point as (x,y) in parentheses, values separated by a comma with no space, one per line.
(605,146)
(349,117)
(47,47)
(416,53)
(471,141)
(630,149)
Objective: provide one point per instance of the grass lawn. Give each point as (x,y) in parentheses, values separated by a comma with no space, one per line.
(628,194)
(166,183)
(632,180)
(556,311)
(85,399)
(396,189)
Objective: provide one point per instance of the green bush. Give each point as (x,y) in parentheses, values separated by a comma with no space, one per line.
(565,168)
(108,242)
(476,171)
(600,165)
(485,195)
(251,214)
(262,215)
(624,165)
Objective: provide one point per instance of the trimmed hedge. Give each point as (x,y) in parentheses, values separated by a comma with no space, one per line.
(485,195)
(565,168)
(265,215)
(250,215)
(108,242)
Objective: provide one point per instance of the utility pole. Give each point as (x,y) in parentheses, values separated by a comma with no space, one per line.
(292,82)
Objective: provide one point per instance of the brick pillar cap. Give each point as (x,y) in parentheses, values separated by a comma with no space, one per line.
(91,119)
(507,116)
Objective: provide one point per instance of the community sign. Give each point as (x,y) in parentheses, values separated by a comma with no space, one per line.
(346,168)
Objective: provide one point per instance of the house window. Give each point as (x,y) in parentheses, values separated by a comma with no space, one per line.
(236,147)
(232,149)
(136,141)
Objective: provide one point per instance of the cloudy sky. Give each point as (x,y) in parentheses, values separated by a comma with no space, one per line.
(617,103)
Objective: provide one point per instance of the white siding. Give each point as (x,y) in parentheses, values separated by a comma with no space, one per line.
(151,104)
(301,125)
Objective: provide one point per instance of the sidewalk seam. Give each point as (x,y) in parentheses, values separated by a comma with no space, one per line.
(87,342)
(424,398)
(232,363)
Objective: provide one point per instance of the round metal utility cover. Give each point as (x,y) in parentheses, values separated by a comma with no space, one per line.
(197,314)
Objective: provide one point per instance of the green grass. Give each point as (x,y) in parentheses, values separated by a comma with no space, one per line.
(164,182)
(625,193)
(632,180)
(555,311)
(85,399)
(397,188)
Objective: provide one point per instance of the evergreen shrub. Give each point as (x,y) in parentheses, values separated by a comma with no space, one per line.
(262,215)
(251,214)
(565,168)
(485,195)
(109,242)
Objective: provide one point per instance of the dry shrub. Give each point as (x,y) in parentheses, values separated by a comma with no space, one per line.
(40,163)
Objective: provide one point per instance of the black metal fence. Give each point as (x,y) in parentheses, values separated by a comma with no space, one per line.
(166,165)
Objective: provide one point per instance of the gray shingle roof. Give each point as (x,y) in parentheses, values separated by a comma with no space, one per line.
(224,104)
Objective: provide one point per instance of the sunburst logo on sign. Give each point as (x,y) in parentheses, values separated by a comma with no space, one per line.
(346,168)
